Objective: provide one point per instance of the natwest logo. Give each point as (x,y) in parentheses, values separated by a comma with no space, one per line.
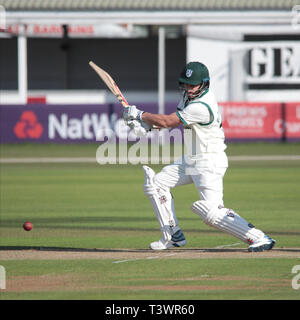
(28,126)
(90,126)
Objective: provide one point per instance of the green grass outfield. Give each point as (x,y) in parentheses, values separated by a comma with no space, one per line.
(76,207)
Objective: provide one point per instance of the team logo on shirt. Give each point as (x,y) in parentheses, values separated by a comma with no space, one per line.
(189,73)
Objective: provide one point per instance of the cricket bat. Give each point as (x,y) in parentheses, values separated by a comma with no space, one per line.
(108,80)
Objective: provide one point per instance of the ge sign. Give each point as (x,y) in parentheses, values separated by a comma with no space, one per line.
(276,64)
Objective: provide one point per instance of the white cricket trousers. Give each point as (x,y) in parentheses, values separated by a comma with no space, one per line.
(206,173)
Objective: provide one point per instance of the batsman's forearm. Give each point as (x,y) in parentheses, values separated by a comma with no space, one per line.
(157,120)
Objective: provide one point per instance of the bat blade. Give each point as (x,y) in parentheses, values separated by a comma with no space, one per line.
(110,83)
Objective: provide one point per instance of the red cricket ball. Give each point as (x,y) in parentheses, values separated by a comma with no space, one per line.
(27,226)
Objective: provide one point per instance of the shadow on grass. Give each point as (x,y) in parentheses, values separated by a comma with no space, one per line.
(119,223)
(70,249)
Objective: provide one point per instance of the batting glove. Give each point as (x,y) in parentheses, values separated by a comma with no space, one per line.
(140,128)
(131,113)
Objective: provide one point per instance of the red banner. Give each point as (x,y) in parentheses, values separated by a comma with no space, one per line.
(292,120)
(250,120)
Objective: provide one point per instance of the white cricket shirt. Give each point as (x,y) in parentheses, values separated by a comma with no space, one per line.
(203,132)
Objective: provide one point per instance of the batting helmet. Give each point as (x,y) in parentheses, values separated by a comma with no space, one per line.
(194,73)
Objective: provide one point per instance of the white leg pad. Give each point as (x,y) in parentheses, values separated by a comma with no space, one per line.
(162,203)
(226,220)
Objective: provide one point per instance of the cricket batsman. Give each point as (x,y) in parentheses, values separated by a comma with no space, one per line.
(204,164)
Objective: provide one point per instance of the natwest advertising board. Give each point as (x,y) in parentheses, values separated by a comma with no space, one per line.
(65,123)
(52,123)
(251,121)
(91,123)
